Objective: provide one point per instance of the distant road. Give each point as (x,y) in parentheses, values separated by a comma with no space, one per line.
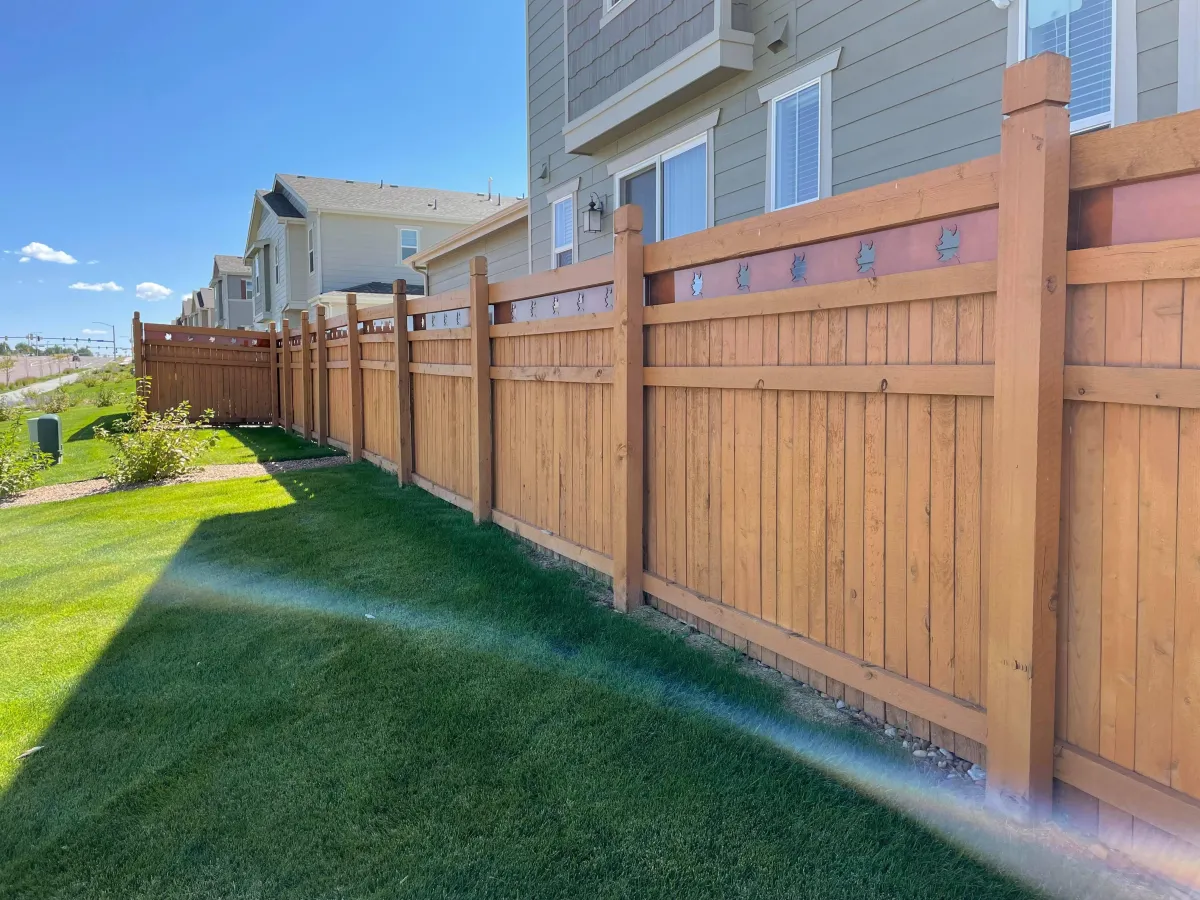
(9,398)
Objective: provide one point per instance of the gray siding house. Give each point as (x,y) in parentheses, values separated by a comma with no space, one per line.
(311,240)
(232,292)
(709,111)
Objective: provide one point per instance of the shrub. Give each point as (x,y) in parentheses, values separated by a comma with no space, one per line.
(107,395)
(89,381)
(56,401)
(20,462)
(152,446)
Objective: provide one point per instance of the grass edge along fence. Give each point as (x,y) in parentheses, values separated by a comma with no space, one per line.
(902,443)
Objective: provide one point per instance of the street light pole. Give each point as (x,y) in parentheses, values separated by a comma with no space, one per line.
(114,337)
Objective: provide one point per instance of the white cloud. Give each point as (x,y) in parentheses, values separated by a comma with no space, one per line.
(23,259)
(105,286)
(44,253)
(93,331)
(92,262)
(148,290)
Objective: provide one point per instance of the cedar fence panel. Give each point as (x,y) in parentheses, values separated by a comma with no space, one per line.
(795,443)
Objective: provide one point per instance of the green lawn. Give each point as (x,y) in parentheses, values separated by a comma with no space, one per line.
(85,457)
(221,718)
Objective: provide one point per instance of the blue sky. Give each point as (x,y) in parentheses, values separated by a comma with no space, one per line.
(135,133)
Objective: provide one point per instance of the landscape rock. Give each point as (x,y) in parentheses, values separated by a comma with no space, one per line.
(920,754)
(975,773)
(890,731)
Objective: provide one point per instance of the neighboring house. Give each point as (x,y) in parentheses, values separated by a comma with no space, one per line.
(502,237)
(232,292)
(310,237)
(708,111)
(198,309)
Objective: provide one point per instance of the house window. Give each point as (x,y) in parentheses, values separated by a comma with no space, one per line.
(796,146)
(1083,31)
(278,264)
(564,231)
(312,253)
(408,243)
(220,300)
(672,190)
(261,283)
(247,290)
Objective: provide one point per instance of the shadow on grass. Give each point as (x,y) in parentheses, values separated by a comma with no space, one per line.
(272,444)
(88,432)
(491,731)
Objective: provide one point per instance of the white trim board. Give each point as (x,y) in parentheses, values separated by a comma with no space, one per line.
(719,50)
(800,76)
(671,139)
(556,193)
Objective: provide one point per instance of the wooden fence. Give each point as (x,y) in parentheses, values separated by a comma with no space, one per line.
(932,446)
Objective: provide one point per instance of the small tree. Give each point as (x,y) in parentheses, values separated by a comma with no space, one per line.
(152,446)
(7,363)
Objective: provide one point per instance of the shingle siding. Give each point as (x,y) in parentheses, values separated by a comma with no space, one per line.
(602,61)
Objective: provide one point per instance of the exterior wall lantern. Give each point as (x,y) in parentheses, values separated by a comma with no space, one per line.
(593,216)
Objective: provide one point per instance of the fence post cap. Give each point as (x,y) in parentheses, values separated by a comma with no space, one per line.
(1045,78)
(400,286)
(304,315)
(320,311)
(352,299)
(478,265)
(627,218)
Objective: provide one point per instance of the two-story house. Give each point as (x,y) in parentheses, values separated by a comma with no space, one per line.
(232,292)
(708,111)
(314,238)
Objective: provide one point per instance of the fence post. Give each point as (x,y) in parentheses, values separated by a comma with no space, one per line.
(481,389)
(627,416)
(403,383)
(285,378)
(356,382)
(136,341)
(321,378)
(305,379)
(1035,150)
(272,337)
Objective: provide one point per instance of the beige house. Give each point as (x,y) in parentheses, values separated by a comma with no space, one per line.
(502,237)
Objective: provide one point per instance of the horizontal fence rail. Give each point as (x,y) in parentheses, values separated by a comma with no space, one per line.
(930,446)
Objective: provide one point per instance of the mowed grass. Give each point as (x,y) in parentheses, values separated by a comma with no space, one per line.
(221,718)
(84,456)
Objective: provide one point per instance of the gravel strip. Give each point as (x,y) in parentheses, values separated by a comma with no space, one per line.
(73,491)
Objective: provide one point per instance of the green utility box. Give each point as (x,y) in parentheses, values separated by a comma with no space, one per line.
(46,433)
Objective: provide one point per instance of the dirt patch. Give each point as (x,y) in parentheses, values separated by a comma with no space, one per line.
(73,491)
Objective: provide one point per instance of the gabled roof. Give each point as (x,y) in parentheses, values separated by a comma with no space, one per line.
(375,198)
(229,265)
(507,215)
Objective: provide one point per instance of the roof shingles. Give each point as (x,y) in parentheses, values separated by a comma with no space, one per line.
(332,195)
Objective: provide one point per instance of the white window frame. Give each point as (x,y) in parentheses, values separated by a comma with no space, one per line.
(819,70)
(277,263)
(400,229)
(1122,103)
(699,131)
(556,248)
(312,251)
